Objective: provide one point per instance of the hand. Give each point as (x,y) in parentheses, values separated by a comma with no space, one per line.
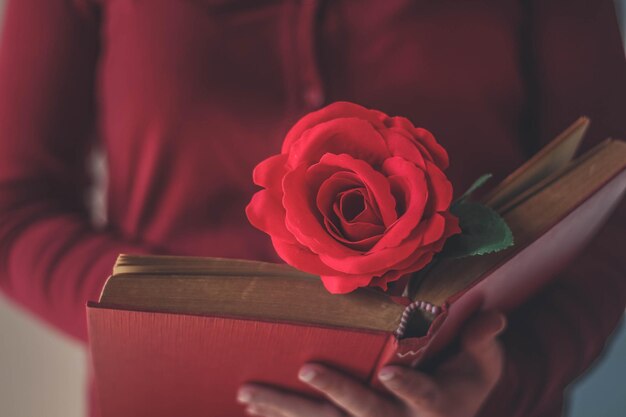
(457,389)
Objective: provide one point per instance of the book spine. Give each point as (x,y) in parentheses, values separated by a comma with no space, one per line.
(400,350)
(417,307)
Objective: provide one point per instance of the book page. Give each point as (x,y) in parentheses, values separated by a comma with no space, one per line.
(550,159)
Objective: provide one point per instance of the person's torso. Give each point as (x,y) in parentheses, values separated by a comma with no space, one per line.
(194,93)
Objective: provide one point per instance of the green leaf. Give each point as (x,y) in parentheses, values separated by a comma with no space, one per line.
(483,231)
(475,186)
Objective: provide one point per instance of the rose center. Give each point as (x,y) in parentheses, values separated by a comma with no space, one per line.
(351,204)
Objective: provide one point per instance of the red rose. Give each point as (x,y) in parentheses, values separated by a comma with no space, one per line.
(355,196)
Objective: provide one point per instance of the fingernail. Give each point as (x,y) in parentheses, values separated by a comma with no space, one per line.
(244,396)
(501,325)
(253,411)
(386,375)
(307,374)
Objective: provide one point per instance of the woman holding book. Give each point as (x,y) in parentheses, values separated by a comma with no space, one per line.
(187,96)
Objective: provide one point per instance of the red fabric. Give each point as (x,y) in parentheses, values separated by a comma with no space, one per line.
(188,96)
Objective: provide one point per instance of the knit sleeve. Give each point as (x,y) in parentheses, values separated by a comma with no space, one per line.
(576,67)
(52,260)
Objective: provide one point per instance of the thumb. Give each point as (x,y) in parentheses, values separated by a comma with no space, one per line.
(479,340)
(482,330)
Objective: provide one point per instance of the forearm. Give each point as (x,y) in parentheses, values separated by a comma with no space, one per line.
(51,258)
(53,263)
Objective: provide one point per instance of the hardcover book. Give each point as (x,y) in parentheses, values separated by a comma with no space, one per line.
(177,336)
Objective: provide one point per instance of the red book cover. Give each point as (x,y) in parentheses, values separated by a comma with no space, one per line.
(164,365)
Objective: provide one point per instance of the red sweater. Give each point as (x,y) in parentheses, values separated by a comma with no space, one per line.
(187,96)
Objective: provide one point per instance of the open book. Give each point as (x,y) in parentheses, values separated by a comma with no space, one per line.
(179,335)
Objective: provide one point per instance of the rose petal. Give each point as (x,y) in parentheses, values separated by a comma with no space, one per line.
(383,281)
(362,245)
(340,109)
(417,263)
(369,215)
(269,172)
(300,257)
(343,284)
(370,262)
(351,136)
(440,189)
(425,140)
(357,232)
(452,224)
(432,229)
(332,182)
(376,184)
(451,228)
(333,186)
(378,261)
(303,221)
(438,153)
(350,204)
(412,181)
(408,265)
(401,144)
(267,214)
(363,214)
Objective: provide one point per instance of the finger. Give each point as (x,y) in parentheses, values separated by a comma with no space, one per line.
(263,410)
(479,340)
(414,388)
(283,403)
(348,394)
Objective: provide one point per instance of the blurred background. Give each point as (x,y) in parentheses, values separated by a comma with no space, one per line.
(42,373)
